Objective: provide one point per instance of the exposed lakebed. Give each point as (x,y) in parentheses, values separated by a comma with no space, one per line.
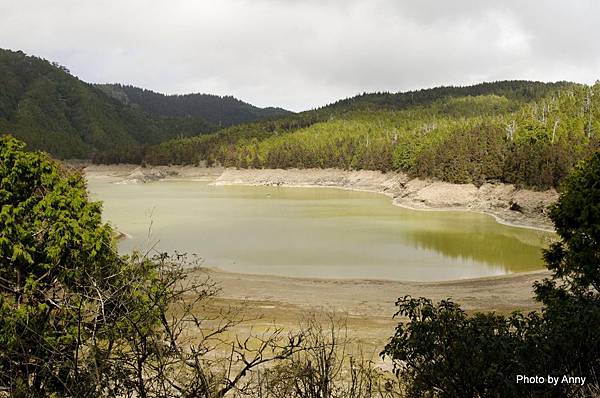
(314,232)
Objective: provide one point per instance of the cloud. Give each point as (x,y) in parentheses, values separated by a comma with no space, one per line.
(301,54)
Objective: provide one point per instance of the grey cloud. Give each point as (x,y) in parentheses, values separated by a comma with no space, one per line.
(305,53)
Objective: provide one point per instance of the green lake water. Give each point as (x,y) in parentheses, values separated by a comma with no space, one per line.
(314,232)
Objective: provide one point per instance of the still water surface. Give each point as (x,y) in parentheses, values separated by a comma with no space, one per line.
(314,232)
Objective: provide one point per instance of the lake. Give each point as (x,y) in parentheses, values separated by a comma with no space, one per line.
(314,232)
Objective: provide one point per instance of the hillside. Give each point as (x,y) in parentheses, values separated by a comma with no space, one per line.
(521,132)
(516,91)
(217,110)
(527,133)
(52,110)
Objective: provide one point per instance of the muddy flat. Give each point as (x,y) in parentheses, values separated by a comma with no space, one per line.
(375,297)
(367,305)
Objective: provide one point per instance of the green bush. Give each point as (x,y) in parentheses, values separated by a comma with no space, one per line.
(443,352)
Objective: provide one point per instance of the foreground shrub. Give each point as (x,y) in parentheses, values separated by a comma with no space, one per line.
(442,351)
(79,320)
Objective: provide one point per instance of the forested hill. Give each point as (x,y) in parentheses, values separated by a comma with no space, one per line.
(517,91)
(217,110)
(527,133)
(52,110)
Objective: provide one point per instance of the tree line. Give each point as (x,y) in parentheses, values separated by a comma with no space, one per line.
(218,111)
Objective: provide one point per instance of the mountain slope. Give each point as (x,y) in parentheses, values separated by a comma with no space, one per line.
(219,111)
(506,97)
(527,133)
(52,110)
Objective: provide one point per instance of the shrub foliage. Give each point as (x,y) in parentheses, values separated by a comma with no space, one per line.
(442,351)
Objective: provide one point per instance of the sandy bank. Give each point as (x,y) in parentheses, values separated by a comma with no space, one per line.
(377,297)
(505,202)
(518,207)
(135,174)
(368,304)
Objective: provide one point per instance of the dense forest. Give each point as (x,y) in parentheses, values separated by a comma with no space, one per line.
(52,110)
(218,111)
(43,104)
(527,133)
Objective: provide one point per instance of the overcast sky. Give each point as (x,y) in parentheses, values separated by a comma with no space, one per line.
(300,54)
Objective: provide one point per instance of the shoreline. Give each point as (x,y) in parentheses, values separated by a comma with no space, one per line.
(374,298)
(367,304)
(495,200)
(399,203)
(367,307)
(508,205)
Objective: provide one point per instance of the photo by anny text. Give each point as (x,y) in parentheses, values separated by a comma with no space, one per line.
(554,380)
